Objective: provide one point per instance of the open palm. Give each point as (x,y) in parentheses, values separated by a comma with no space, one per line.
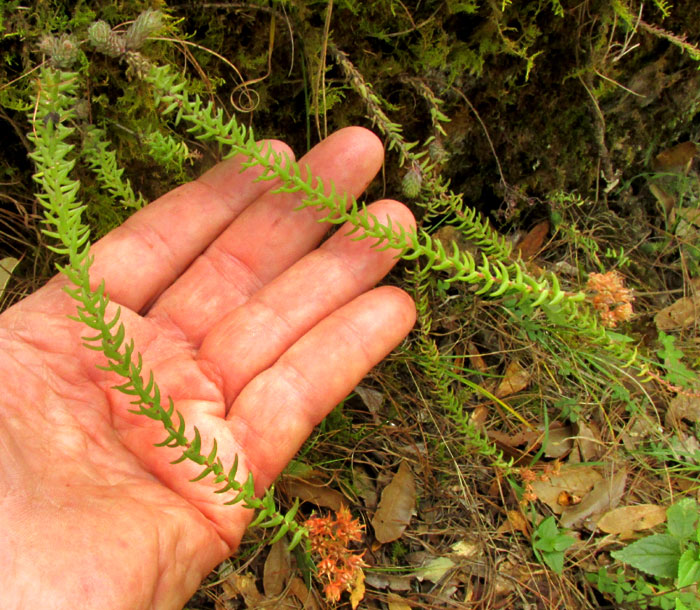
(253,330)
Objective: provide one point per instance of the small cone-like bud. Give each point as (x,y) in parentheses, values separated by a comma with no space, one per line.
(63,52)
(412,182)
(138,63)
(105,40)
(437,151)
(145,25)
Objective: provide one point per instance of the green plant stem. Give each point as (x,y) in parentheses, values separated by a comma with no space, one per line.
(59,197)
(493,278)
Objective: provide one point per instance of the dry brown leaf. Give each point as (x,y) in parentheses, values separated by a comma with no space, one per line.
(682,313)
(357,592)
(665,198)
(277,569)
(683,406)
(575,480)
(531,244)
(676,159)
(312,491)
(435,569)
(396,506)
(559,442)
(588,441)
(306,597)
(514,523)
(373,399)
(689,221)
(243,585)
(628,519)
(478,416)
(7,267)
(475,358)
(396,602)
(604,496)
(516,378)
(365,486)
(383,580)
(466,548)
(448,234)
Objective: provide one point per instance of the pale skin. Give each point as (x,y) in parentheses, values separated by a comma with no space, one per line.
(254,330)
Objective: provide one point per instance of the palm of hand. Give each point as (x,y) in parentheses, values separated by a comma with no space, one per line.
(253,333)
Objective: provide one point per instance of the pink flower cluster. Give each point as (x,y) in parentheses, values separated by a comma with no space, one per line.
(610,298)
(330,540)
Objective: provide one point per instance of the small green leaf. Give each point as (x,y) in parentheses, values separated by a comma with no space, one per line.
(555,561)
(688,568)
(657,555)
(682,518)
(298,535)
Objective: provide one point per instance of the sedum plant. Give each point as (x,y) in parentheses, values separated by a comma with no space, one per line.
(495,274)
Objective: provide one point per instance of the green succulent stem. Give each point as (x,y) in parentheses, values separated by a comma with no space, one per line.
(58,195)
(494,278)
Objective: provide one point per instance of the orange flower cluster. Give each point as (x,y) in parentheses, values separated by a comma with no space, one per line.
(611,298)
(529,476)
(330,540)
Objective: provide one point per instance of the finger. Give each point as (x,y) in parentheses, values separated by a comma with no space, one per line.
(142,257)
(267,238)
(276,411)
(251,337)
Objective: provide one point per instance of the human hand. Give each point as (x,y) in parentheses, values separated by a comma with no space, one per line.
(253,330)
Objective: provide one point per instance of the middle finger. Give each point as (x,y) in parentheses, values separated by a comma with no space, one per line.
(266,239)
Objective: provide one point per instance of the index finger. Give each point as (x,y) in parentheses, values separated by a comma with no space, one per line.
(141,258)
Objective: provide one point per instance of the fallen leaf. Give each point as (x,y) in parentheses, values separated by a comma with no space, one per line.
(683,406)
(527,437)
(688,224)
(478,416)
(396,602)
(357,592)
(559,442)
(531,244)
(604,495)
(515,522)
(448,234)
(682,313)
(277,569)
(396,506)
(384,580)
(475,358)
(588,440)
(565,499)
(7,266)
(627,519)
(516,378)
(465,549)
(243,585)
(676,159)
(365,486)
(306,597)
(575,480)
(373,399)
(665,198)
(435,570)
(313,491)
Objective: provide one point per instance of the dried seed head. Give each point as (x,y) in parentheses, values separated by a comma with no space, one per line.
(106,40)
(138,63)
(412,182)
(145,25)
